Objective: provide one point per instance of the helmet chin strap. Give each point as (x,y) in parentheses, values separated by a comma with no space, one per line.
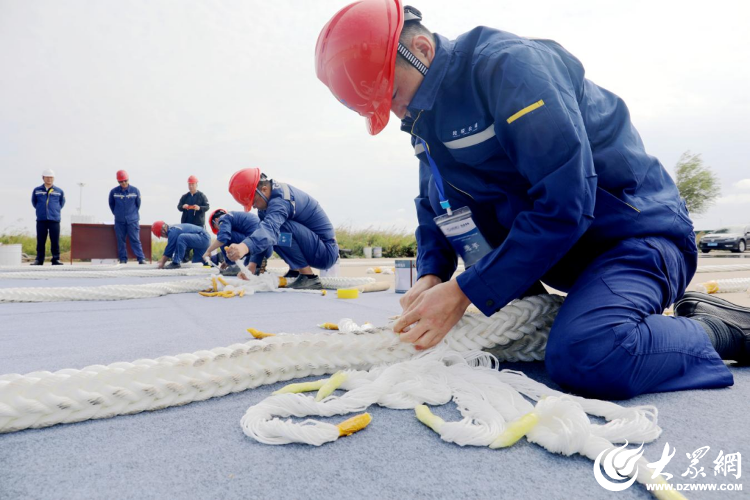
(412,59)
(258,191)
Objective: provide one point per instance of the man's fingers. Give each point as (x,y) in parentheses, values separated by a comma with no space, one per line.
(413,334)
(410,316)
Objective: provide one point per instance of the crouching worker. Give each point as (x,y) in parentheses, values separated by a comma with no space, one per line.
(180,238)
(232,228)
(292,224)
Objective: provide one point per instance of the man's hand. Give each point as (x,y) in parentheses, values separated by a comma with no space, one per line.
(424,283)
(236,251)
(186,207)
(432,314)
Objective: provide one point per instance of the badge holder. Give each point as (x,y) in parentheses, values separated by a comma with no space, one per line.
(464,235)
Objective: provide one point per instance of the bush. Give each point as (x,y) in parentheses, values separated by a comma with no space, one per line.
(28,243)
(395,242)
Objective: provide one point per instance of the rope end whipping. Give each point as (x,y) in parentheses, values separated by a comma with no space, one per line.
(428,418)
(258,334)
(515,431)
(331,385)
(354,424)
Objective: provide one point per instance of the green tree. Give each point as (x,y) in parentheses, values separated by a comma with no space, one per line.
(697,183)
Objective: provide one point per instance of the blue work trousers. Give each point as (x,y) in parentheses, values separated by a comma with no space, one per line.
(129,230)
(198,242)
(307,249)
(610,339)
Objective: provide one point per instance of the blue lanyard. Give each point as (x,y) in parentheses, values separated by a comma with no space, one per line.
(444,203)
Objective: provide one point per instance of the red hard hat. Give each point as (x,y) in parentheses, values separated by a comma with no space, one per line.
(242,186)
(192,180)
(356,54)
(216,213)
(122,176)
(156,228)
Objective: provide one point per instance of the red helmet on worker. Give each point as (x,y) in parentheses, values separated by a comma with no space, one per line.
(156,228)
(243,186)
(122,175)
(213,219)
(192,180)
(355,57)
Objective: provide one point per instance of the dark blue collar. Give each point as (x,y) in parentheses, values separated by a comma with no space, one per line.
(428,90)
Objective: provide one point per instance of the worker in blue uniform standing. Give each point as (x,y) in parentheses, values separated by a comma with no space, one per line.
(48,200)
(125,202)
(233,228)
(531,172)
(180,239)
(292,224)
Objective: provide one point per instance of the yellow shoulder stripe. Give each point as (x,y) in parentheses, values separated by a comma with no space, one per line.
(527,109)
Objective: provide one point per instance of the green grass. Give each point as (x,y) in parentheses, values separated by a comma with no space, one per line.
(395,242)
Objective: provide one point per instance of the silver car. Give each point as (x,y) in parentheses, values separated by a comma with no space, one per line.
(732,238)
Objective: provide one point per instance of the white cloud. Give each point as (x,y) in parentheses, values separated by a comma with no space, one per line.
(743,184)
(734,199)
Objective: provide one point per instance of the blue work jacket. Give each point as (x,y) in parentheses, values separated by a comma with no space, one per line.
(176,230)
(288,203)
(125,203)
(234,227)
(550,164)
(48,203)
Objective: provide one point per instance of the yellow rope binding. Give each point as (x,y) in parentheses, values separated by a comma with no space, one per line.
(354,424)
(258,334)
(515,431)
(331,385)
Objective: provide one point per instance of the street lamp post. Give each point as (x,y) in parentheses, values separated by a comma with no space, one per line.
(80,198)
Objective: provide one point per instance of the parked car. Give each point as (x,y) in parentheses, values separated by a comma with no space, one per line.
(734,238)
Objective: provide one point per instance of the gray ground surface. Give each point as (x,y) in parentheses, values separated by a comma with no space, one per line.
(199,450)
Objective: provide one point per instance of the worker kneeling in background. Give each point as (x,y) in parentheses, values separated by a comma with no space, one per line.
(232,228)
(292,223)
(180,238)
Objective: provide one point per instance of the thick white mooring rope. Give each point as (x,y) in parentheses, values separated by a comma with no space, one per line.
(131,272)
(41,399)
(731,285)
(262,283)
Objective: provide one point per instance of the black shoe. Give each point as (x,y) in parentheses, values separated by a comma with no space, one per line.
(173,265)
(291,274)
(123,262)
(142,261)
(232,270)
(307,282)
(56,262)
(37,263)
(737,318)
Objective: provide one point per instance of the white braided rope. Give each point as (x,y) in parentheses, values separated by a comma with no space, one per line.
(82,268)
(131,272)
(41,399)
(731,285)
(262,283)
(723,269)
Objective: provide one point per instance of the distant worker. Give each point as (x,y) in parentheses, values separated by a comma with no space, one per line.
(48,200)
(125,201)
(292,223)
(193,204)
(232,228)
(180,239)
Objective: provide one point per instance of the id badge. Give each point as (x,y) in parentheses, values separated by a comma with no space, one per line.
(464,235)
(285,239)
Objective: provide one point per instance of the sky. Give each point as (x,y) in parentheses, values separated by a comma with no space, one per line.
(166,89)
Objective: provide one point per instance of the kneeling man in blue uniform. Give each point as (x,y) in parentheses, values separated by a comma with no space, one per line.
(292,224)
(233,228)
(531,172)
(180,239)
